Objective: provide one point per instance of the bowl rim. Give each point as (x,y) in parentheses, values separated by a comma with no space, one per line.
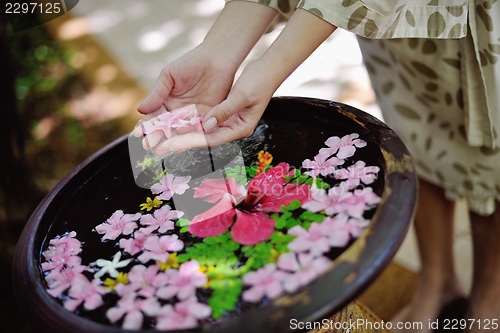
(354,269)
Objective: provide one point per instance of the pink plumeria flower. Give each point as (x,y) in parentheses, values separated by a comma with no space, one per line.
(60,280)
(84,291)
(357,173)
(68,244)
(110,266)
(60,258)
(162,220)
(321,165)
(135,244)
(182,315)
(332,202)
(315,239)
(183,282)
(143,280)
(344,147)
(133,308)
(119,223)
(305,268)
(266,281)
(158,248)
(342,227)
(361,200)
(170,185)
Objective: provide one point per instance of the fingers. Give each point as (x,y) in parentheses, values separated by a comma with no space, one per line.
(158,94)
(235,102)
(150,117)
(181,143)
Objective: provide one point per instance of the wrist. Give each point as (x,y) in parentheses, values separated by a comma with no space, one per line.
(237,29)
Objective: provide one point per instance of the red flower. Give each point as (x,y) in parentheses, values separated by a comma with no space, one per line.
(246,212)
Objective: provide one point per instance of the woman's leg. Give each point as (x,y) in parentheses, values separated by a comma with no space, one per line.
(434,228)
(484,300)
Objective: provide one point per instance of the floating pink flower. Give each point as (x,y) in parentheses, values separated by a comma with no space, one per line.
(321,165)
(332,202)
(60,280)
(158,248)
(162,220)
(84,291)
(361,200)
(170,185)
(248,219)
(267,281)
(357,173)
(135,244)
(315,239)
(119,223)
(133,308)
(183,282)
(305,268)
(341,227)
(143,280)
(344,147)
(62,252)
(60,257)
(182,315)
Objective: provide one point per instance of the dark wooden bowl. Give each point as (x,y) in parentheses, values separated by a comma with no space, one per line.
(298,127)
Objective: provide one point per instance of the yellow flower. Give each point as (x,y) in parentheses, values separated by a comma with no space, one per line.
(150,204)
(170,263)
(274,255)
(205,268)
(264,159)
(121,278)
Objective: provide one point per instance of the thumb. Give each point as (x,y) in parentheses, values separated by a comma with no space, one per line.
(234,102)
(161,90)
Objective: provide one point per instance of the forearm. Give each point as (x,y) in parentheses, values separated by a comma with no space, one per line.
(237,29)
(301,36)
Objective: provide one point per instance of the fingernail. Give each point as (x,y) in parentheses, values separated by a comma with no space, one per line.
(210,124)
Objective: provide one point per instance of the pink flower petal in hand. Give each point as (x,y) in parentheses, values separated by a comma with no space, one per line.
(118,224)
(170,185)
(267,281)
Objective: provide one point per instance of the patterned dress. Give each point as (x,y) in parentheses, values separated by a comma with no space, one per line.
(435,70)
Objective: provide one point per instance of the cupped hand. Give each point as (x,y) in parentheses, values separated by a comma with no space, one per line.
(199,77)
(236,117)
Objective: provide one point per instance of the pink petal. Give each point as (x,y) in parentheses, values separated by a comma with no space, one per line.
(133,320)
(288,261)
(72,304)
(115,314)
(214,221)
(93,302)
(166,292)
(251,228)
(253,294)
(212,190)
